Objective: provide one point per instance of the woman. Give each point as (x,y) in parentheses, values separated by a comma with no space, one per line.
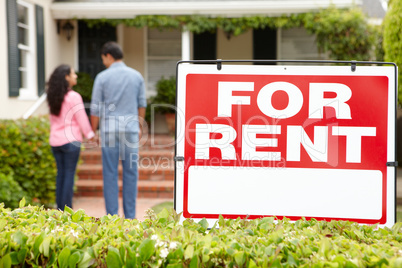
(68,121)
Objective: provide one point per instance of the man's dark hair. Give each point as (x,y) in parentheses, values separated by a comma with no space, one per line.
(113,49)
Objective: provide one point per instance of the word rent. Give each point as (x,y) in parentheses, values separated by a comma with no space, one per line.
(296,134)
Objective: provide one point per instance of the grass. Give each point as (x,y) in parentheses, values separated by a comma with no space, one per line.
(399,213)
(159,207)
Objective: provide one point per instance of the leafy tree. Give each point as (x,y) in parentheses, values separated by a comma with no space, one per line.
(393,39)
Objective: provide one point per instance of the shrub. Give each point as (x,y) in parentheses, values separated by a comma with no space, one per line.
(25,155)
(393,39)
(10,191)
(345,35)
(84,86)
(32,237)
(165,98)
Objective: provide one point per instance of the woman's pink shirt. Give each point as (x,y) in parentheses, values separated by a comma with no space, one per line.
(72,121)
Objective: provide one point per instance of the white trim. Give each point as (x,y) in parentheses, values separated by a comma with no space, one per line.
(120,35)
(375,21)
(384,5)
(145,40)
(31,92)
(92,10)
(185,45)
(34,107)
(76,48)
(278,43)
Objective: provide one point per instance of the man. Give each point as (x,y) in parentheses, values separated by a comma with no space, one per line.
(118,104)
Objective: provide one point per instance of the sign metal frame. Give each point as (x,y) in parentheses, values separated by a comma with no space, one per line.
(220,64)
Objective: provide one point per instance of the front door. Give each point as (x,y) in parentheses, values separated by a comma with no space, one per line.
(90,42)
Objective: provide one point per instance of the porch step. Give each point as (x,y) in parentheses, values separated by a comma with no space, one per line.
(146,158)
(155,169)
(152,172)
(146,189)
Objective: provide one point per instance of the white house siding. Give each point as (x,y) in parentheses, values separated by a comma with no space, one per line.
(133,43)
(16,107)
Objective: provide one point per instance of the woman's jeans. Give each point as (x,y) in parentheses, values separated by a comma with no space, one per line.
(66,157)
(123,145)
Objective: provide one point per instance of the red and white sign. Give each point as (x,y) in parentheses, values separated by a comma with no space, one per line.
(286,141)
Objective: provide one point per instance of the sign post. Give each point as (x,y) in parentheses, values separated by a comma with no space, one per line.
(286,141)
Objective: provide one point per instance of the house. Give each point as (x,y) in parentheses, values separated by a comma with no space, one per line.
(41,34)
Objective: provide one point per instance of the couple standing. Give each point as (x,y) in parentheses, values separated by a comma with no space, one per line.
(118,106)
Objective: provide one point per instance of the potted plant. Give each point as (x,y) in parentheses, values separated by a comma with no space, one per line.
(164,101)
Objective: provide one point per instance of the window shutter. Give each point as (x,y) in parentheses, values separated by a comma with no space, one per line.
(40,48)
(13,52)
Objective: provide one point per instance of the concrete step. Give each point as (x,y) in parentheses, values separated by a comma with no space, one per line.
(145,172)
(155,169)
(146,189)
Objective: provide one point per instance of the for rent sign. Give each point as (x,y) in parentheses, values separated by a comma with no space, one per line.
(286,141)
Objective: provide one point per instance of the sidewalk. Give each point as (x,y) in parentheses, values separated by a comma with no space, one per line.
(95,206)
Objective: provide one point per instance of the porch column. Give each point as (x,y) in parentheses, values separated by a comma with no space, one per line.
(185,45)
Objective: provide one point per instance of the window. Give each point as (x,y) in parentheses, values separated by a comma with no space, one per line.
(25,49)
(164,50)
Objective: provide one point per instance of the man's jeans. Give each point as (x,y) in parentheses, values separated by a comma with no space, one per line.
(66,160)
(125,146)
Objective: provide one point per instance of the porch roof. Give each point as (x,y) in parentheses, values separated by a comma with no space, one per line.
(95,9)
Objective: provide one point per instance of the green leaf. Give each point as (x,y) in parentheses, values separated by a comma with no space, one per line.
(230,251)
(76,217)
(93,229)
(204,224)
(291,260)
(189,252)
(22,203)
(175,265)
(63,257)
(22,254)
(194,262)
(5,262)
(131,259)
(20,238)
(45,246)
(3,223)
(325,246)
(240,258)
(74,259)
(69,210)
(38,242)
(164,214)
(14,258)
(86,261)
(146,249)
(113,258)
(252,264)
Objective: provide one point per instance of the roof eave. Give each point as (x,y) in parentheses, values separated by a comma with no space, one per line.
(96,10)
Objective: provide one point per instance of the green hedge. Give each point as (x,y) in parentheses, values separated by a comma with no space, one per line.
(393,39)
(32,237)
(26,161)
(10,191)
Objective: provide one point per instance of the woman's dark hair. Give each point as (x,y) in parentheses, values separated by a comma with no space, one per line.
(113,49)
(57,88)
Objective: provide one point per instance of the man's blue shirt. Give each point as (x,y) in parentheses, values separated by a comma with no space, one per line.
(117,94)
